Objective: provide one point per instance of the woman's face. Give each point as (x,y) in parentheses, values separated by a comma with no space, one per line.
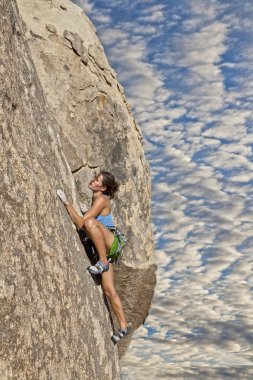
(96,184)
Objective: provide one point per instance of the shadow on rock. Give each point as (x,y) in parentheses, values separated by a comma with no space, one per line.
(91,253)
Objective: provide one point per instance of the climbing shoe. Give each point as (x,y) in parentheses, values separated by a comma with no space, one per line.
(98,268)
(121,334)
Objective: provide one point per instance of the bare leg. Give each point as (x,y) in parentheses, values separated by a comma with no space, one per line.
(101,237)
(110,292)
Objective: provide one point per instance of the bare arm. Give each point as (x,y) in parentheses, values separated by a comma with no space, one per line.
(96,208)
(75,217)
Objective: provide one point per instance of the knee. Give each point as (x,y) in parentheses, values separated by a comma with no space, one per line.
(110,293)
(89,223)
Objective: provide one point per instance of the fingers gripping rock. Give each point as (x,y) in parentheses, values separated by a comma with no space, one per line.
(62,196)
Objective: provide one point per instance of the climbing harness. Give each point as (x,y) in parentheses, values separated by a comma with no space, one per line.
(118,244)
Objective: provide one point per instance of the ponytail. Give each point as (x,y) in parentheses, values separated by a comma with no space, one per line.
(110,183)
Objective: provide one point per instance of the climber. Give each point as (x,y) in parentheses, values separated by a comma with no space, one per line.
(97,222)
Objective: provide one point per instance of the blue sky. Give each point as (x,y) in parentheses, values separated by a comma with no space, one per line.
(187,70)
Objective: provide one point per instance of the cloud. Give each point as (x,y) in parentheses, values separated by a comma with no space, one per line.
(85,4)
(101,18)
(153,14)
(114,36)
(144,30)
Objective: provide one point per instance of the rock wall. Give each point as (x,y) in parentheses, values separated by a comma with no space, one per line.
(54,321)
(97,131)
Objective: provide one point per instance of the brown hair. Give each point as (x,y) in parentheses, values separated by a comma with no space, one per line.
(110,183)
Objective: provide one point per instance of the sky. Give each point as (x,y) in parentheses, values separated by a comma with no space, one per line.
(187,70)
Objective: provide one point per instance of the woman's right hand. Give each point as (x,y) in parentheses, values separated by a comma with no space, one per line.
(62,196)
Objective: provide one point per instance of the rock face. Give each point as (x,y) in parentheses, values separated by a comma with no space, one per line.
(63,116)
(54,323)
(97,131)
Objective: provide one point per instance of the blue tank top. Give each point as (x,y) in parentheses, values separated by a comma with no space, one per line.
(106,220)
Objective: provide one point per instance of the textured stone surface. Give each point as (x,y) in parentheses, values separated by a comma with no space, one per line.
(96,128)
(54,323)
(97,131)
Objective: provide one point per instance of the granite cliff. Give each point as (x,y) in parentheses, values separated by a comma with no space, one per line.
(63,116)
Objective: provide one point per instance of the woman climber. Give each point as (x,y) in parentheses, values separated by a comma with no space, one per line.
(98,224)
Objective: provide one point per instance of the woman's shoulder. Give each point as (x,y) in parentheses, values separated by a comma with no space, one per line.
(101,205)
(104,200)
(106,196)
(107,203)
(107,200)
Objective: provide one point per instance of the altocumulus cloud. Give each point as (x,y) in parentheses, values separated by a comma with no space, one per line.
(187,70)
